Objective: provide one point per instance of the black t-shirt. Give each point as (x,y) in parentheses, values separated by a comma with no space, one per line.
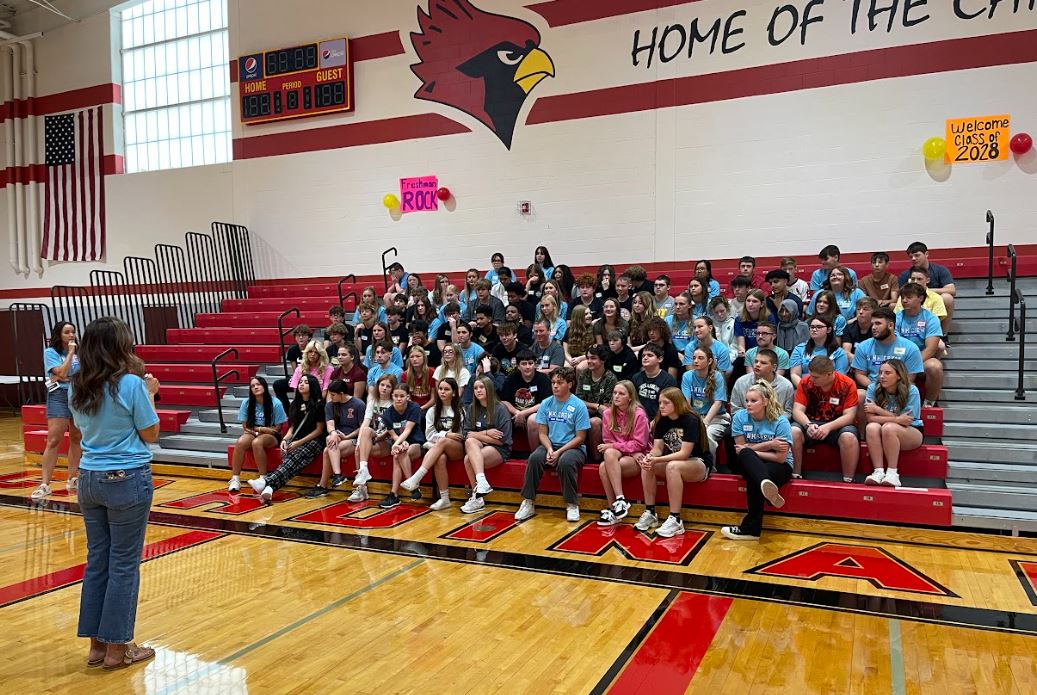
(594,308)
(854,334)
(524,334)
(627,303)
(601,295)
(399,336)
(294,355)
(527,309)
(534,293)
(671,358)
(363,335)
(487,339)
(507,359)
(624,364)
(649,388)
(522,394)
(686,428)
(443,332)
(306,418)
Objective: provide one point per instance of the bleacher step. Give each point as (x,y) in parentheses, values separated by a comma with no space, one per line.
(244,336)
(954,379)
(204,459)
(954,362)
(973,395)
(977,471)
(966,413)
(990,430)
(996,496)
(236,373)
(978,339)
(259,354)
(192,442)
(260,319)
(202,427)
(278,304)
(988,325)
(1012,520)
(993,452)
(979,354)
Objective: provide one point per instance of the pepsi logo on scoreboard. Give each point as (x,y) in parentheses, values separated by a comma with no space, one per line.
(306,80)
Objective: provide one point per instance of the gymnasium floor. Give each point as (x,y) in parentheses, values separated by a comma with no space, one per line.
(325,596)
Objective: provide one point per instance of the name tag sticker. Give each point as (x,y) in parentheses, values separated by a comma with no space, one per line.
(532,389)
(921,324)
(586,387)
(478,423)
(884,287)
(571,408)
(833,400)
(697,403)
(617,368)
(899,351)
(747,428)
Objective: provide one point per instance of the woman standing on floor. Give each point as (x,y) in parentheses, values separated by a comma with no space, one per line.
(60,363)
(113,402)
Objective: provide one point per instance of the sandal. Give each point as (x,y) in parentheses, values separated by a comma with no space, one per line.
(133,655)
(93,663)
(797,476)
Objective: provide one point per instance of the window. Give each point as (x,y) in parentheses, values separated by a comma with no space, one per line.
(175,82)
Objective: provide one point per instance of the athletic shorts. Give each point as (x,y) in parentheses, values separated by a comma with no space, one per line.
(833,437)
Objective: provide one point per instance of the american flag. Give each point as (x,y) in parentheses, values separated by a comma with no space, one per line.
(73,208)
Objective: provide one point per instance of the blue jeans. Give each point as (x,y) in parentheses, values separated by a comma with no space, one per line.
(115,506)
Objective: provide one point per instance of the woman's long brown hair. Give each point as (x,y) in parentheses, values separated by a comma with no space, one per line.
(105,355)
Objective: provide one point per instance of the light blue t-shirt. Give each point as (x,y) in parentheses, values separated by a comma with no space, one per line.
(549,272)
(491,275)
(563,311)
(817,280)
(110,439)
(694,388)
(919,327)
(847,305)
(783,356)
(756,431)
(680,331)
(800,357)
(52,358)
(471,356)
(397,357)
(376,371)
(718,349)
(713,289)
(277,411)
(380,317)
(871,354)
(564,419)
(913,407)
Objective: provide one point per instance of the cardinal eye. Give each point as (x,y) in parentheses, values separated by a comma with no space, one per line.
(509,57)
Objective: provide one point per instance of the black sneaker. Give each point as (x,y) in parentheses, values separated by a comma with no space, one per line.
(415,494)
(735,533)
(391,500)
(315,492)
(337,479)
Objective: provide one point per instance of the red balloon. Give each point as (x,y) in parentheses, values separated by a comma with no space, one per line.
(443,193)
(1021,143)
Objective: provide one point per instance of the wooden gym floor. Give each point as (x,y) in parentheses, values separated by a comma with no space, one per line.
(326,596)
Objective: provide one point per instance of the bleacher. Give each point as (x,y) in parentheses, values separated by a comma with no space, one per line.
(191,437)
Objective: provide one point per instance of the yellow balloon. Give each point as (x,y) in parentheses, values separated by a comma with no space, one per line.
(391,201)
(934,148)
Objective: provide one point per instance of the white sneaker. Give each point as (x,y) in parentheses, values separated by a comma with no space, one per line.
(482,487)
(359,494)
(876,477)
(607,518)
(258,484)
(620,508)
(770,491)
(441,504)
(892,479)
(41,492)
(525,511)
(572,512)
(267,495)
(413,482)
(673,526)
(72,484)
(362,476)
(473,505)
(647,522)
(735,533)
(234,485)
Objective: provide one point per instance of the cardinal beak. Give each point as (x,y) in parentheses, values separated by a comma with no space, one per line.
(534,67)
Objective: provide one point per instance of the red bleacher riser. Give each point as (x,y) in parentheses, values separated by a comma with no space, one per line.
(170,420)
(927,461)
(308,289)
(930,507)
(932,418)
(35,441)
(202,372)
(263,354)
(247,336)
(278,304)
(259,319)
(179,394)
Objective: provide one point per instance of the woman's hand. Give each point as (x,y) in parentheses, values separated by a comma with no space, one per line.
(495,433)
(739,447)
(152,384)
(602,448)
(872,408)
(284,445)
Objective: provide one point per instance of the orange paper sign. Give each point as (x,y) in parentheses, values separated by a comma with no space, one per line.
(978,139)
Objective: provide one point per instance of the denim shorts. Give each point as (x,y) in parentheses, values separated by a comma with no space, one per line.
(57,404)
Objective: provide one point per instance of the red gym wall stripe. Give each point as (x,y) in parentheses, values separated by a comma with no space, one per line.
(98,95)
(559,13)
(113,164)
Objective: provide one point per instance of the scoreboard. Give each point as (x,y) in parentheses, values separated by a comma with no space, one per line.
(307,80)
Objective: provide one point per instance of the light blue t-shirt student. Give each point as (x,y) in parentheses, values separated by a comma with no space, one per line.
(783,356)
(52,358)
(912,408)
(713,289)
(800,357)
(680,331)
(471,356)
(564,419)
(396,358)
(277,413)
(380,317)
(376,371)
(820,276)
(110,439)
(847,304)
(919,327)
(719,350)
(756,431)
(693,387)
(871,354)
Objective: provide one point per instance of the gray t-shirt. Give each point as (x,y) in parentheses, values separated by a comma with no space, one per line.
(782,386)
(551,356)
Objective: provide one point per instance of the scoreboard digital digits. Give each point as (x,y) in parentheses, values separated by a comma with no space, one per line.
(294,82)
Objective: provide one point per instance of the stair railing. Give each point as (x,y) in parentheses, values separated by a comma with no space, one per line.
(1020,391)
(385,266)
(216,383)
(1011,294)
(990,253)
(342,297)
(282,332)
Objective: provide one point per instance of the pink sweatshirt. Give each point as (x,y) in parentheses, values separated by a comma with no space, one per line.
(323,376)
(639,441)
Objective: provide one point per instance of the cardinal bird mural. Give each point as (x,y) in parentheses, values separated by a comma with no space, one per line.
(482,63)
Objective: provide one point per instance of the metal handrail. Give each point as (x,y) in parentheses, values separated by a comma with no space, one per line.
(342,297)
(1011,294)
(1020,392)
(990,253)
(281,333)
(216,383)
(385,267)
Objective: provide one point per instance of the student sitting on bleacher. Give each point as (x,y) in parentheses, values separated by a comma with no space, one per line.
(747,270)
(610,321)
(859,330)
(343,415)
(403,423)
(824,306)
(822,343)
(605,282)
(400,283)
(680,321)
(585,297)
(594,386)
(484,334)
(797,286)
(652,379)
(371,439)
(703,385)
(542,258)
(934,301)
(662,302)
(370,297)
(534,283)
(499,288)
(337,335)
(547,351)
(548,313)
(578,338)
(893,410)
(657,332)
(349,372)
(315,362)
(939,278)
(680,454)
(303,334)
(765,368)
(380,334)
(763,448)
(304,441)
(444,441)
(766,334)
(829,257)
(483,297)
(740,289)
(640,312)
(487,441)
(723,327)
(881,285)
(792,329)
(507,350)
(496,263)
(419,338)
(704,274)
(383,352)
(513,315)
(624,296)
(621,360)
(698,300)
(825,412)
(706,338)
(261,416)
(396,328)
(563,425)
(419,377)
(884,345)
(517,298)
(780,292)
(522,394)
(845,291)
(627,436)
(923,329)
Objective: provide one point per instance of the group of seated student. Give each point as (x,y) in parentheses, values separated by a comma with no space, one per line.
(611,369)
